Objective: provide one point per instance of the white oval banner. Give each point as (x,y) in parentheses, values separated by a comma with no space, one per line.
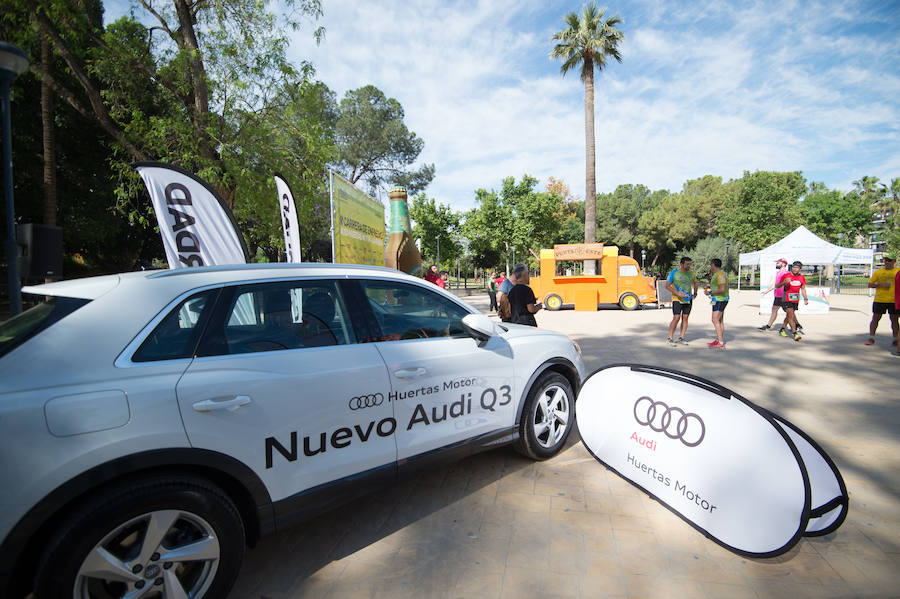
(829,499)
(706,453)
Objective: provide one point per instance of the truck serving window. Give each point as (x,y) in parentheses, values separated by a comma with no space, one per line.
(19,329)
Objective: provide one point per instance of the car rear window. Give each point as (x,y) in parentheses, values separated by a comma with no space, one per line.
(18,329)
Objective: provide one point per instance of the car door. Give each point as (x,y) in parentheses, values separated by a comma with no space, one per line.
(281,384)
(445,389)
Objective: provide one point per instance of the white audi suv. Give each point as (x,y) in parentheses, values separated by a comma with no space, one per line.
(153,424)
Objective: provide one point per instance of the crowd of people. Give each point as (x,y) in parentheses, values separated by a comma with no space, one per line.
(514,301)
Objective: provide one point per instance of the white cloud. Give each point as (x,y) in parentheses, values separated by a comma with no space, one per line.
(704,88)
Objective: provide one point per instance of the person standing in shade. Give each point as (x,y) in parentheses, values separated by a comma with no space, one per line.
(492,291)
(794,286)
(503,296)
(682,284)
(882,282)
(523,305)
(442,280)
(718,291)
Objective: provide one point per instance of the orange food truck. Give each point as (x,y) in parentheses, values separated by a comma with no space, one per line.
(618,279)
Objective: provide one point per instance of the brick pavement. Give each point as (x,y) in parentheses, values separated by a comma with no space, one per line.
(499,525)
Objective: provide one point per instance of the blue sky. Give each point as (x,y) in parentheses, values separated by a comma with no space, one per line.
(704,88)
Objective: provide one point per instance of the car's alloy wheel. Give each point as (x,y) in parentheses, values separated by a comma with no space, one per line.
(163,539)
(547,416)
(176,551)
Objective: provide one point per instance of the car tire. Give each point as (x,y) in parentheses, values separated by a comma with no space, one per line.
(629,302)
(125,532)
(553,302)
(547,417)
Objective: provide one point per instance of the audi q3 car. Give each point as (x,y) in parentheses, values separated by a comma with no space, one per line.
(153,424)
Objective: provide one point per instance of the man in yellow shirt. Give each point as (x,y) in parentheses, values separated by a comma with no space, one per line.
(882,282)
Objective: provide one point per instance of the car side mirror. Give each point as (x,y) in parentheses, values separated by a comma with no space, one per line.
(479,327)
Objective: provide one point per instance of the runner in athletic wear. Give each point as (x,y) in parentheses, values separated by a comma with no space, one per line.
(882,282)
(781,265)
(718,291)
(794,286)
(682,284)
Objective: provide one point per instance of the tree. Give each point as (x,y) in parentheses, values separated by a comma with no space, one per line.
(195,89)
(708,248)
(435,224)
(829,213)
(297,142)
(587,44)
(889,205)
(513,221)
(375,144)
(761,208)
(619,213)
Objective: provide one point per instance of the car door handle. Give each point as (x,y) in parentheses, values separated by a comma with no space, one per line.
(409,373)
(211,405)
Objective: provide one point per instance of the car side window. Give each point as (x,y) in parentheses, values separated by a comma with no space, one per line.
(177,335)
(279,316)
(405,311)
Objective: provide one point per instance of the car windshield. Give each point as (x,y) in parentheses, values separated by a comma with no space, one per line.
(19,329)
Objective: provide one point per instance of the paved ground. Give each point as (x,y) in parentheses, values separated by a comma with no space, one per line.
(498,525)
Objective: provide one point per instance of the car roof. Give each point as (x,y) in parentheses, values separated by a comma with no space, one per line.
(187,278)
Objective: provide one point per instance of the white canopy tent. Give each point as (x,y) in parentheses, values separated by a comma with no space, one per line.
(805,246)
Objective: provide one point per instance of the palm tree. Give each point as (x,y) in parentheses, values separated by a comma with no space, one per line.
(890,203)
(587,43)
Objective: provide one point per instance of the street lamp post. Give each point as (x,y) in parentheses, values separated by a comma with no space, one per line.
(643,257)
(13,63)
(439,253)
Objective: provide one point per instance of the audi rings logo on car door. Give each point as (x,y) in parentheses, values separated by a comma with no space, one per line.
(674,422)
(366,401)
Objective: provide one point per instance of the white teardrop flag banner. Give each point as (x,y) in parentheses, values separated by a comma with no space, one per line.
(196,226)
(741,475)
(288,212)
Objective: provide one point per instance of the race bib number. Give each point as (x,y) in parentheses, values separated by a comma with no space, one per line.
(793,297)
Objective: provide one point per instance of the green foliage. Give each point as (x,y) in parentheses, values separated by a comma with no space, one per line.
(762,208)
(588,41)
(619,213)
(705,250)
(295,140)
(374,143)
(516,219)
(679,220)
(830,213)
(435,224)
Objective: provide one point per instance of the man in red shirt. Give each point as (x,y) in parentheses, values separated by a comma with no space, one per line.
(794,286)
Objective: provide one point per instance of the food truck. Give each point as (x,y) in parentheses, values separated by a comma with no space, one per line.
(618,279)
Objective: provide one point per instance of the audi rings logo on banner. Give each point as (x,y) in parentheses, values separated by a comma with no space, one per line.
(674,422)
(366,401)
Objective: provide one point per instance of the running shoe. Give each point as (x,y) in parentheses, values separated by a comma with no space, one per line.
(671,342)
(783,333)
(682,341)
(797,337)
(715,345)
(870,341)
(764,327)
